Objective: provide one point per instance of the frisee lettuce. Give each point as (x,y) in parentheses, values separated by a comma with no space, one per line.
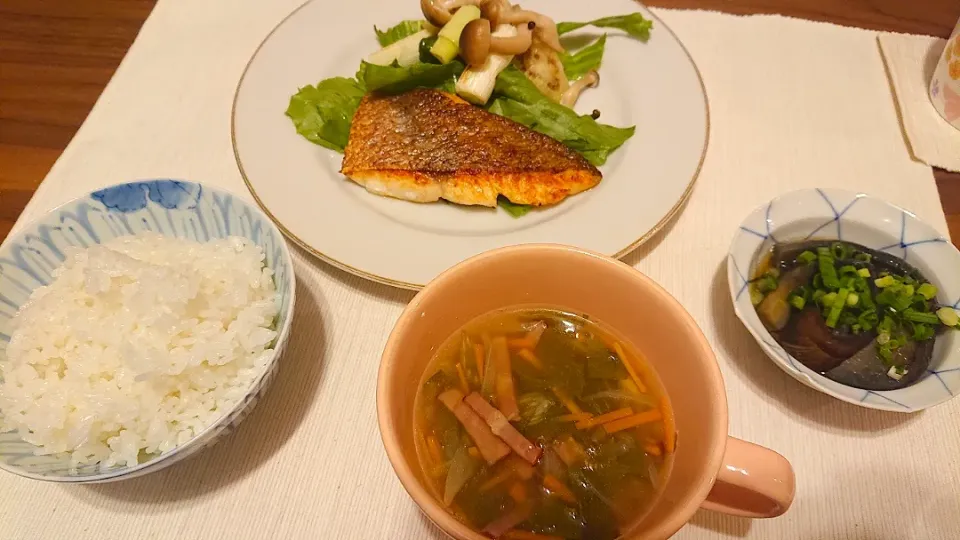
(519,100)
(587,59)
(512,208)
(396,33)
(634,24)
(323,113)
(396,79)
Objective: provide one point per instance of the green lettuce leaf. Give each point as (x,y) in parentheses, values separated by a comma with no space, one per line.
(395,79)
(514,209)
(323,113)
(578,64)
(634,24)
(519,100)
(396,33)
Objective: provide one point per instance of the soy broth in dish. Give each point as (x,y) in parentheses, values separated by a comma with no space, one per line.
(536,423)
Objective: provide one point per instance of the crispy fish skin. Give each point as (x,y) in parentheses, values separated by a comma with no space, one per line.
(425,145)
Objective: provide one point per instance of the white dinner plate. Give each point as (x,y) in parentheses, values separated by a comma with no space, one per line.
(652,85)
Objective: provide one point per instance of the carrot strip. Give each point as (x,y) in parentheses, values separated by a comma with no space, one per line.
(555,486)
(530,340)
(653,449)
(566,401)
(669,426)
(575,417)
(497,479)
(633,421)
(506,397)
(629,386)
(507,521)
(528,355)
(434,448)
(570,451)
(518,492)
(478,354)
(627,364)
(517,534)
(502,428)
(604,418)
(474,453)
(491,447)
(523,469)
(518,343)
(464,385)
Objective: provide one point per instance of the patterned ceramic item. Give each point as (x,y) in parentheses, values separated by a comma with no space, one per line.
(945,83)
(859,218)
(168,207)
(405,244)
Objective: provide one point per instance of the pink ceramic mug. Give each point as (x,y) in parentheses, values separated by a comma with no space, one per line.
(711,469)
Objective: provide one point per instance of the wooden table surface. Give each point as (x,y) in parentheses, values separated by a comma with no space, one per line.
(56,56)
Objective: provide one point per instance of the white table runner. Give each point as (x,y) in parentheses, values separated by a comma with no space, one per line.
(793,104)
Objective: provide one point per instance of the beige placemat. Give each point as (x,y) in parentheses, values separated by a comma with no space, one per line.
(794,104)
(910,61)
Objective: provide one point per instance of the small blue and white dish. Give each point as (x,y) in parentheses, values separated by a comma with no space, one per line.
(168,207)
(831,214)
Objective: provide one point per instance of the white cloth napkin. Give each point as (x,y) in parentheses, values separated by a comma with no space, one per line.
(910,61)
(793,104)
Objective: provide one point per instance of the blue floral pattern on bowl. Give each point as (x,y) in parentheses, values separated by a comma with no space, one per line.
(866,220)
(168,207)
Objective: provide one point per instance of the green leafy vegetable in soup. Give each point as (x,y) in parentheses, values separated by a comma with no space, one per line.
(540,422)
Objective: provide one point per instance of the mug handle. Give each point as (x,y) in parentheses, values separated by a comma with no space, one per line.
(753,482)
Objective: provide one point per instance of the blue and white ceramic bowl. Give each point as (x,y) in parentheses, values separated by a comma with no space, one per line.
(836,214)
(168,207)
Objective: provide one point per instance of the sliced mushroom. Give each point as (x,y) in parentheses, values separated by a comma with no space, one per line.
(498,13)
(453,5)
(477,43)
(435,12)
(591,79)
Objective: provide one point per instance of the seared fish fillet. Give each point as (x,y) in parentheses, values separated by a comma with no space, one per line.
(426,145)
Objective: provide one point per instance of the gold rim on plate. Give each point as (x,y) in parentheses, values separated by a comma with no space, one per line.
(415,286)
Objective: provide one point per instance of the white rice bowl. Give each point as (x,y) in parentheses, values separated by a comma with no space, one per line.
(137,346)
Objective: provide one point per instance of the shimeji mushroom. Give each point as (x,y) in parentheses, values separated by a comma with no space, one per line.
(487,55)
(570,96)
(477,43)
(500,12)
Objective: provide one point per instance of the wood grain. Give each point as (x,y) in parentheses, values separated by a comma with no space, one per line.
(56,56)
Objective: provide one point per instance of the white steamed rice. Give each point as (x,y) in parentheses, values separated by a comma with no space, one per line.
(136,346)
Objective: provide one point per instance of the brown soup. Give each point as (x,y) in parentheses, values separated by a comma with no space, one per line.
(534,423)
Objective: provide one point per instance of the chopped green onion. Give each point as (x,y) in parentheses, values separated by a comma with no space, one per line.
(922,332)
(907,291)
(885,326)
(863,257)
(806,257)
(755,296)
(840,251)
(883,338)
(818,295)
(885,281)
(919,317)
(927,291)
(828,299)
(827,271)
(848,269)
(817,282)
(773,271)
(767,283)
(864,272)
(948,316)
(852,299)
(797,302)
(836,307)
(867,320)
